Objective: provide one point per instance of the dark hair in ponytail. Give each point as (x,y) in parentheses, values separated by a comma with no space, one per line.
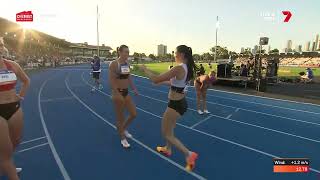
(119,49)
(192,67)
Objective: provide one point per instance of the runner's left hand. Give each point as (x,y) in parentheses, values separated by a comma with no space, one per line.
(20,98)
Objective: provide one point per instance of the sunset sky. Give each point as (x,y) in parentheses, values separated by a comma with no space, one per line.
(143,24)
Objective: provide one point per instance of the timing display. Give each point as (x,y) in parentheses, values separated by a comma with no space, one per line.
(291,165)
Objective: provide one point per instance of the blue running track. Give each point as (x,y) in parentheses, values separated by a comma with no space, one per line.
(70,133)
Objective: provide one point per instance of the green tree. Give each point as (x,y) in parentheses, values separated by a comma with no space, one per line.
(168,57)
(114,54)
(152,56)
(196,57)
(222,52)
(247,52)
(143,55)
(207,57)
(136,55)
(233,54)
(274,51)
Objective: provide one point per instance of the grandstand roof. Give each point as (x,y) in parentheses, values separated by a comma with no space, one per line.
(86,46)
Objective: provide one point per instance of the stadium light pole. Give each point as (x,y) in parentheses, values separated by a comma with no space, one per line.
(172,59)
(98,48)
(215,49)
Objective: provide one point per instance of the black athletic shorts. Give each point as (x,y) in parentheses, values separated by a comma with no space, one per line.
(96,75)
(124,92)
(8,110)
(180,106)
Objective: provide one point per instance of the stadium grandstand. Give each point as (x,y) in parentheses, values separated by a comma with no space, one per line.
(305,59)
(32,48)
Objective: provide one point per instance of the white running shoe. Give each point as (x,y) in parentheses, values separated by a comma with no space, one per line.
(200,112)
(125,143)
(18,170)
(100,87)
(206,111)
(93,89)
(127,134)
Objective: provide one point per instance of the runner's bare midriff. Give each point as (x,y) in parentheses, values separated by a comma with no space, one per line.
(8,97)
(175,95)
(122,83)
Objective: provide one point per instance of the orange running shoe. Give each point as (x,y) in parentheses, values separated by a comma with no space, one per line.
(191,161)
(164,151)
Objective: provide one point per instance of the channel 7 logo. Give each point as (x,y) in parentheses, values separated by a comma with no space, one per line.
(277,16)
(287,15)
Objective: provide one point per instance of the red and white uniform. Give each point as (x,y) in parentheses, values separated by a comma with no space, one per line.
(8,78)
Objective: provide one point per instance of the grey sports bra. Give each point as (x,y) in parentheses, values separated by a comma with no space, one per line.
(123,71)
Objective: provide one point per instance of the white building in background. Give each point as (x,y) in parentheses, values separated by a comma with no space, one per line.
(308,46)
(242,50)
(162,50)
(289,46)
(317,43)
(298,48)
(314,46)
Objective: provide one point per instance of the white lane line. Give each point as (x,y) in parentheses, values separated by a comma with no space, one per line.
(53,149)
(226,118)
(262,97)
(211,135)
(56,99)
(140,76)
(230,115)
(240,145)
(262,104)
(28,149)
(267,114)
(269,129)
(200,122)
(135,140)
(32,140)
(243,94)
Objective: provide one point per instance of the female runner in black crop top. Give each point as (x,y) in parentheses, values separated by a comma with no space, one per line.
(120,80)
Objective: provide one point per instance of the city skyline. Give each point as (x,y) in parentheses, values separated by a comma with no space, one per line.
(313,45)
(142,24)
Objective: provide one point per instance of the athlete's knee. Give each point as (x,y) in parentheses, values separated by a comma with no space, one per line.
(16,142)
